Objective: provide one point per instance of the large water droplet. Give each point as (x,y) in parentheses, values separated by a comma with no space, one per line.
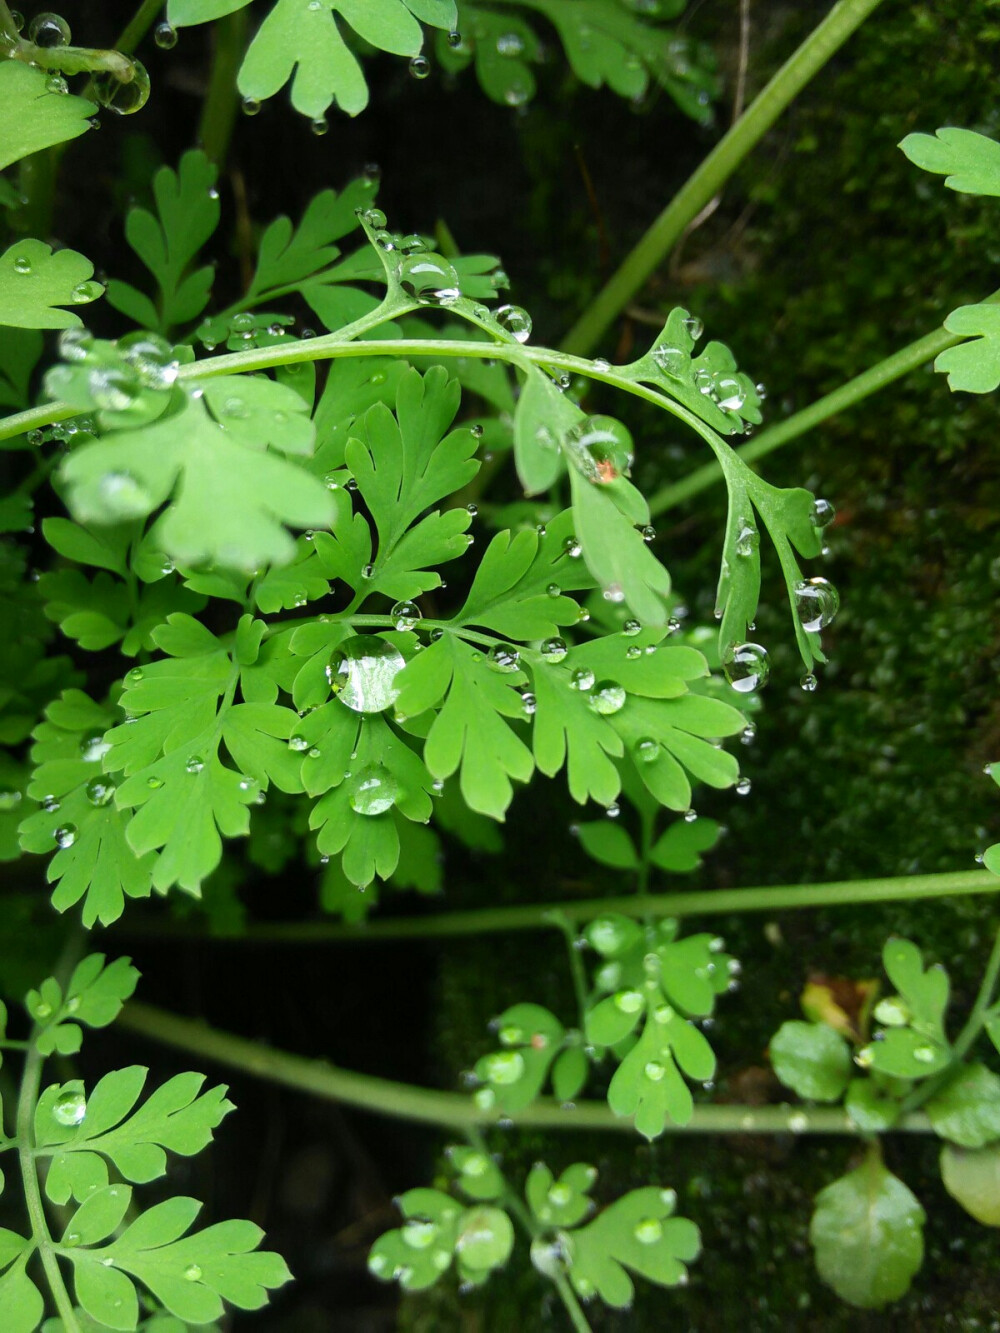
(817,602)
(69,1108)
(729,393)
(65,835)
(361,673)
(694,326)
(405,615)
(582,679)
(554,649)
(671,360)
(823,513)
(515,321)
(100,791)
(165,36)
(654,1071)
(374,791)
(608,697)
(93,747)
(746,666)
(420,67)
(504,657)
(430,278)
(49,30)
(151,357)
(120,97)
(601,448)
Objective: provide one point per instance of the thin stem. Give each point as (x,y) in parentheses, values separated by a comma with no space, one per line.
(716,169)
(452,1110)
(137,26)
(218,114)
(879,376)
(30,1082)
(974,1024)
(573,1307)
(702,902)
(563,924)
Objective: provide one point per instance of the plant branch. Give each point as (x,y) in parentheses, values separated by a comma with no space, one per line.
(879,376)
(716,169)
(453,1110)
(219,111)
(27,1100)
(536,916)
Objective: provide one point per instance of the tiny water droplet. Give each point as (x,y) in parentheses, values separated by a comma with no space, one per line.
(420,67)
(65,836)
(648,1231)
(743,787)
(165,36)
(251,106)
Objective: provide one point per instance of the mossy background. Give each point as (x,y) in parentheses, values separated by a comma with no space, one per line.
(828,252)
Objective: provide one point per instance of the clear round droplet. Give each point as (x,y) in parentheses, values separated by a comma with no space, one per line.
(100,792)
(747,539)
(49,30)
(373,791)
(607,698)
(654,1071)
(429,278)
(673,361)
(729,393)
(582,679)
(165,36)
(554,649)
(69,1108)
(361,673)
(743,787)
(251,106)
(124,99)
(694,326)
(151,357)
(515,321)
(65,836)
(823,513)
(809,683)
(504,1067)
(194,764)
(405,615)
(648,1231)
(746,666)
(420,67)
(817,603)
(504,657)
(647,750)
(601,448)
(192,1273)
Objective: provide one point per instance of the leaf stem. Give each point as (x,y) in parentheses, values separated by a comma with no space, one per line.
(716,169)
(535,916)
(563,924)
(30,1082)
(974,1024)
(218,114)
(879,376)
(453,1110)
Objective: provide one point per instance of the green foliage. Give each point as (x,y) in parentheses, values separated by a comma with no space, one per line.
(867,1232)
(972,1178)
(34,281)
(969,161)
(811,1059)
(68,1138)
(36,116)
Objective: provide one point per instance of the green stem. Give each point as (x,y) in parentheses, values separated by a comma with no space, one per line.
(30,1082)
(219,111)
(9,35)
(880,376)
(705,902)
(453,1110)
(137,26)
(716,169)
(974,1024)
(563,924)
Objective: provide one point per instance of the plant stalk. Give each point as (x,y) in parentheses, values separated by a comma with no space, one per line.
(30,1082)
(843,19)
(453,1110)
(218,115)
(536,916)
(856,390)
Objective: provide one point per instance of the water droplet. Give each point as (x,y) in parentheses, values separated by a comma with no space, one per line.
(503,1067)
(798,1122)
(748,735)
(430,278)
(251,106)
(747,539)
(69,1108)
(100,791)
(298,743)
(572,548)
(123,98)
(746,666)
(690,815)
(629,1001)
(374,791)
(454,40)
(817,603)
(420,67)
(515,321)
(55,83)
(192,1273)
(93,747)
(165,36)
(361,673)
(823,513)
(647,750)
(154,783)
(151,357)
(113,388)
(654,1071)
(924,1054)
(608,697)
(17,18)
(582,679)
(65,835)
(36,437)
(671,360)
(319,126)
(554,649)
(743,787)
(504,657)
(554,590)
(729,393)
(601,448)
(530,703)
(10,799)
(194,764)
(49,30)
(648,1231)
(405,615)
(809,683)
(694,326)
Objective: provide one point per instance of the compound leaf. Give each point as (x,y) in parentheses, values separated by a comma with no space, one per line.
(35,281)
(969,161)
(93,995)
(973,366)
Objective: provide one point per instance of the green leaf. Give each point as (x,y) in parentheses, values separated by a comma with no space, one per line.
(434,1232)
(811,1059)
(34,117)
(168,241)
(967,1109)
(530,1039)
(99,612)
(925,993)
(636,1234)
(177,1117)
(93,995)
(189,1275)
(867,1232)
(872,1110)
(563,1202)
(298,39)
(973,1180)
(973,366)
(34,281)
(21,1301)
(970,161)
(609,844)
(78,819)
(227,499)
(679,849)
(19,354)
(478,1175)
